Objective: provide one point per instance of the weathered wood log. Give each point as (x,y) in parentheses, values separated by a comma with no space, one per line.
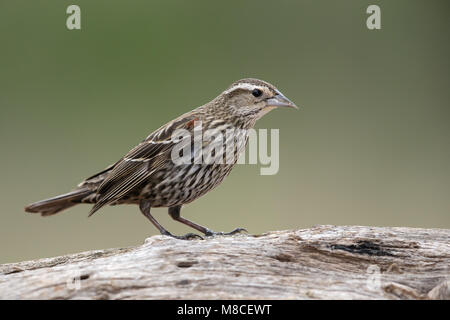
(323,262)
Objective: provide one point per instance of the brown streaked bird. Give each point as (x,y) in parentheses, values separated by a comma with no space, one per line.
(149,176)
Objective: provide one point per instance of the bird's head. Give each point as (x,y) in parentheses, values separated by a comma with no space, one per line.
(251,99)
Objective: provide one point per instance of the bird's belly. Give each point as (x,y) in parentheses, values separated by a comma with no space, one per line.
(184,184)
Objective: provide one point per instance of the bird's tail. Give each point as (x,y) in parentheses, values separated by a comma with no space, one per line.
(57,204)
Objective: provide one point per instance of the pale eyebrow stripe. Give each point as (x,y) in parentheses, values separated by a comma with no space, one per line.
(246,86)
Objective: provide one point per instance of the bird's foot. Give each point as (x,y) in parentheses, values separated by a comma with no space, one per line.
(210,233)
(188,236)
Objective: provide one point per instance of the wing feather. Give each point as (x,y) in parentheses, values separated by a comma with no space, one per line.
(139,164)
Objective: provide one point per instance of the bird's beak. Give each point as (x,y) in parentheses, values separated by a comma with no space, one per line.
(280,100)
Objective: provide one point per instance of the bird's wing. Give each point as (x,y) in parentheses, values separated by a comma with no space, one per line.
(140,163)
(96,179)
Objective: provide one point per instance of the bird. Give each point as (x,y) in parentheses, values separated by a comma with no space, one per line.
(148,174)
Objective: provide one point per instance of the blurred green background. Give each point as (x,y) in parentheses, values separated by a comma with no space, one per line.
(370,145)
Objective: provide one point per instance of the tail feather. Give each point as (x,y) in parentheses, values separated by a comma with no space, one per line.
(59,203)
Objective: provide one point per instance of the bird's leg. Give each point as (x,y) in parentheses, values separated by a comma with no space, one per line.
(145,209)
(174,212)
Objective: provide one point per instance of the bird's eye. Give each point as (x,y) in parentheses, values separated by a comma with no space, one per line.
(256,92)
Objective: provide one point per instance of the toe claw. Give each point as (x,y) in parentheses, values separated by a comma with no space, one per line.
(188,236)
(191,236)
(237,230)
(210,233)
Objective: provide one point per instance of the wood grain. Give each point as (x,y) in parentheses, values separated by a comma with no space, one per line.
(323,262)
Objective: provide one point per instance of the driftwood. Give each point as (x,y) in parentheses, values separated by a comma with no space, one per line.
(324,262)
